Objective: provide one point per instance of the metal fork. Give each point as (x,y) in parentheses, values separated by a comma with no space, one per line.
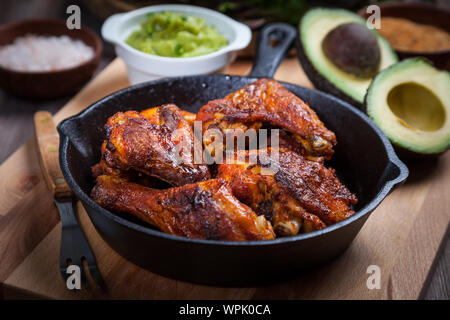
(74,246)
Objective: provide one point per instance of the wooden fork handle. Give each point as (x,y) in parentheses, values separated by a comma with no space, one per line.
(48,144)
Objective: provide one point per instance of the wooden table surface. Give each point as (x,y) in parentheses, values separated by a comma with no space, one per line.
(16,118)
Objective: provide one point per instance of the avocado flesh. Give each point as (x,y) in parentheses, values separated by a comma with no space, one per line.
(314,26)
(410,103)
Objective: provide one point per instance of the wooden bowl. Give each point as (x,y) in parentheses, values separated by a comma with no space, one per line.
(48,84)
(423,13)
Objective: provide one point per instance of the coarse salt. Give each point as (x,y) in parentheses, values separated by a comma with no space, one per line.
(36,53)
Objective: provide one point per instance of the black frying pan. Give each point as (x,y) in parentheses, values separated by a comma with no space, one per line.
(364,160)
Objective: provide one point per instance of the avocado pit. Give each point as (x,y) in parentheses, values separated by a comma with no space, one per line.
(354,49)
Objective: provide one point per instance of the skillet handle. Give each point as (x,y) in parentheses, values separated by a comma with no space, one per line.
(274,42)
(396,173)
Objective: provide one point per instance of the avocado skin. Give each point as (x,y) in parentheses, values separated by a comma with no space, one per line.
(319,81)
(403,152)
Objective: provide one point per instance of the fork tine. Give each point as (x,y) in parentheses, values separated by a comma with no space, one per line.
(64,274)
(93,269)
(84,282)
(96,275)
(88,257)
(63,265)
(94,272)
(74,244)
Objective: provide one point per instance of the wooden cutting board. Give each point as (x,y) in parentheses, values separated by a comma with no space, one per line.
(402,236)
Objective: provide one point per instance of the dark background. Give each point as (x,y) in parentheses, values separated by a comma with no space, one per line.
(16,114)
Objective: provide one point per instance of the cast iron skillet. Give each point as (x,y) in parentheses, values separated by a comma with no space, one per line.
(364,160)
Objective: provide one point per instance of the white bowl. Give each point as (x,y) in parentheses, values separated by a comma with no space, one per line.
(144,67)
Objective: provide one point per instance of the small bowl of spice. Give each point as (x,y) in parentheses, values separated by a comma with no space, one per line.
(417,29)
(43,59)
(174,40)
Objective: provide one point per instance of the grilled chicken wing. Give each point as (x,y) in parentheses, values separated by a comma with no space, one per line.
(267,101)
(158,142)
(295,194)
(315,187)
(203,210)
(282,188)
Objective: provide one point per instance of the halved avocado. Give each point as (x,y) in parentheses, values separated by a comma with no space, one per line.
(410,103)
(315,25)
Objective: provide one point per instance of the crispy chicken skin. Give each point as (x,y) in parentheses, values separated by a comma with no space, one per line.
(287,141)
(102,167)
(131,175)
(315,187)
(203,210)
(147,169)
(158,142)
(267,101)
(295,194)
(262,193)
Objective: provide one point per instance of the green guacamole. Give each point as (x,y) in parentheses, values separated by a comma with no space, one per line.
(176,35)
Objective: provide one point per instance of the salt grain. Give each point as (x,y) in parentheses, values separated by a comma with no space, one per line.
(44,53)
